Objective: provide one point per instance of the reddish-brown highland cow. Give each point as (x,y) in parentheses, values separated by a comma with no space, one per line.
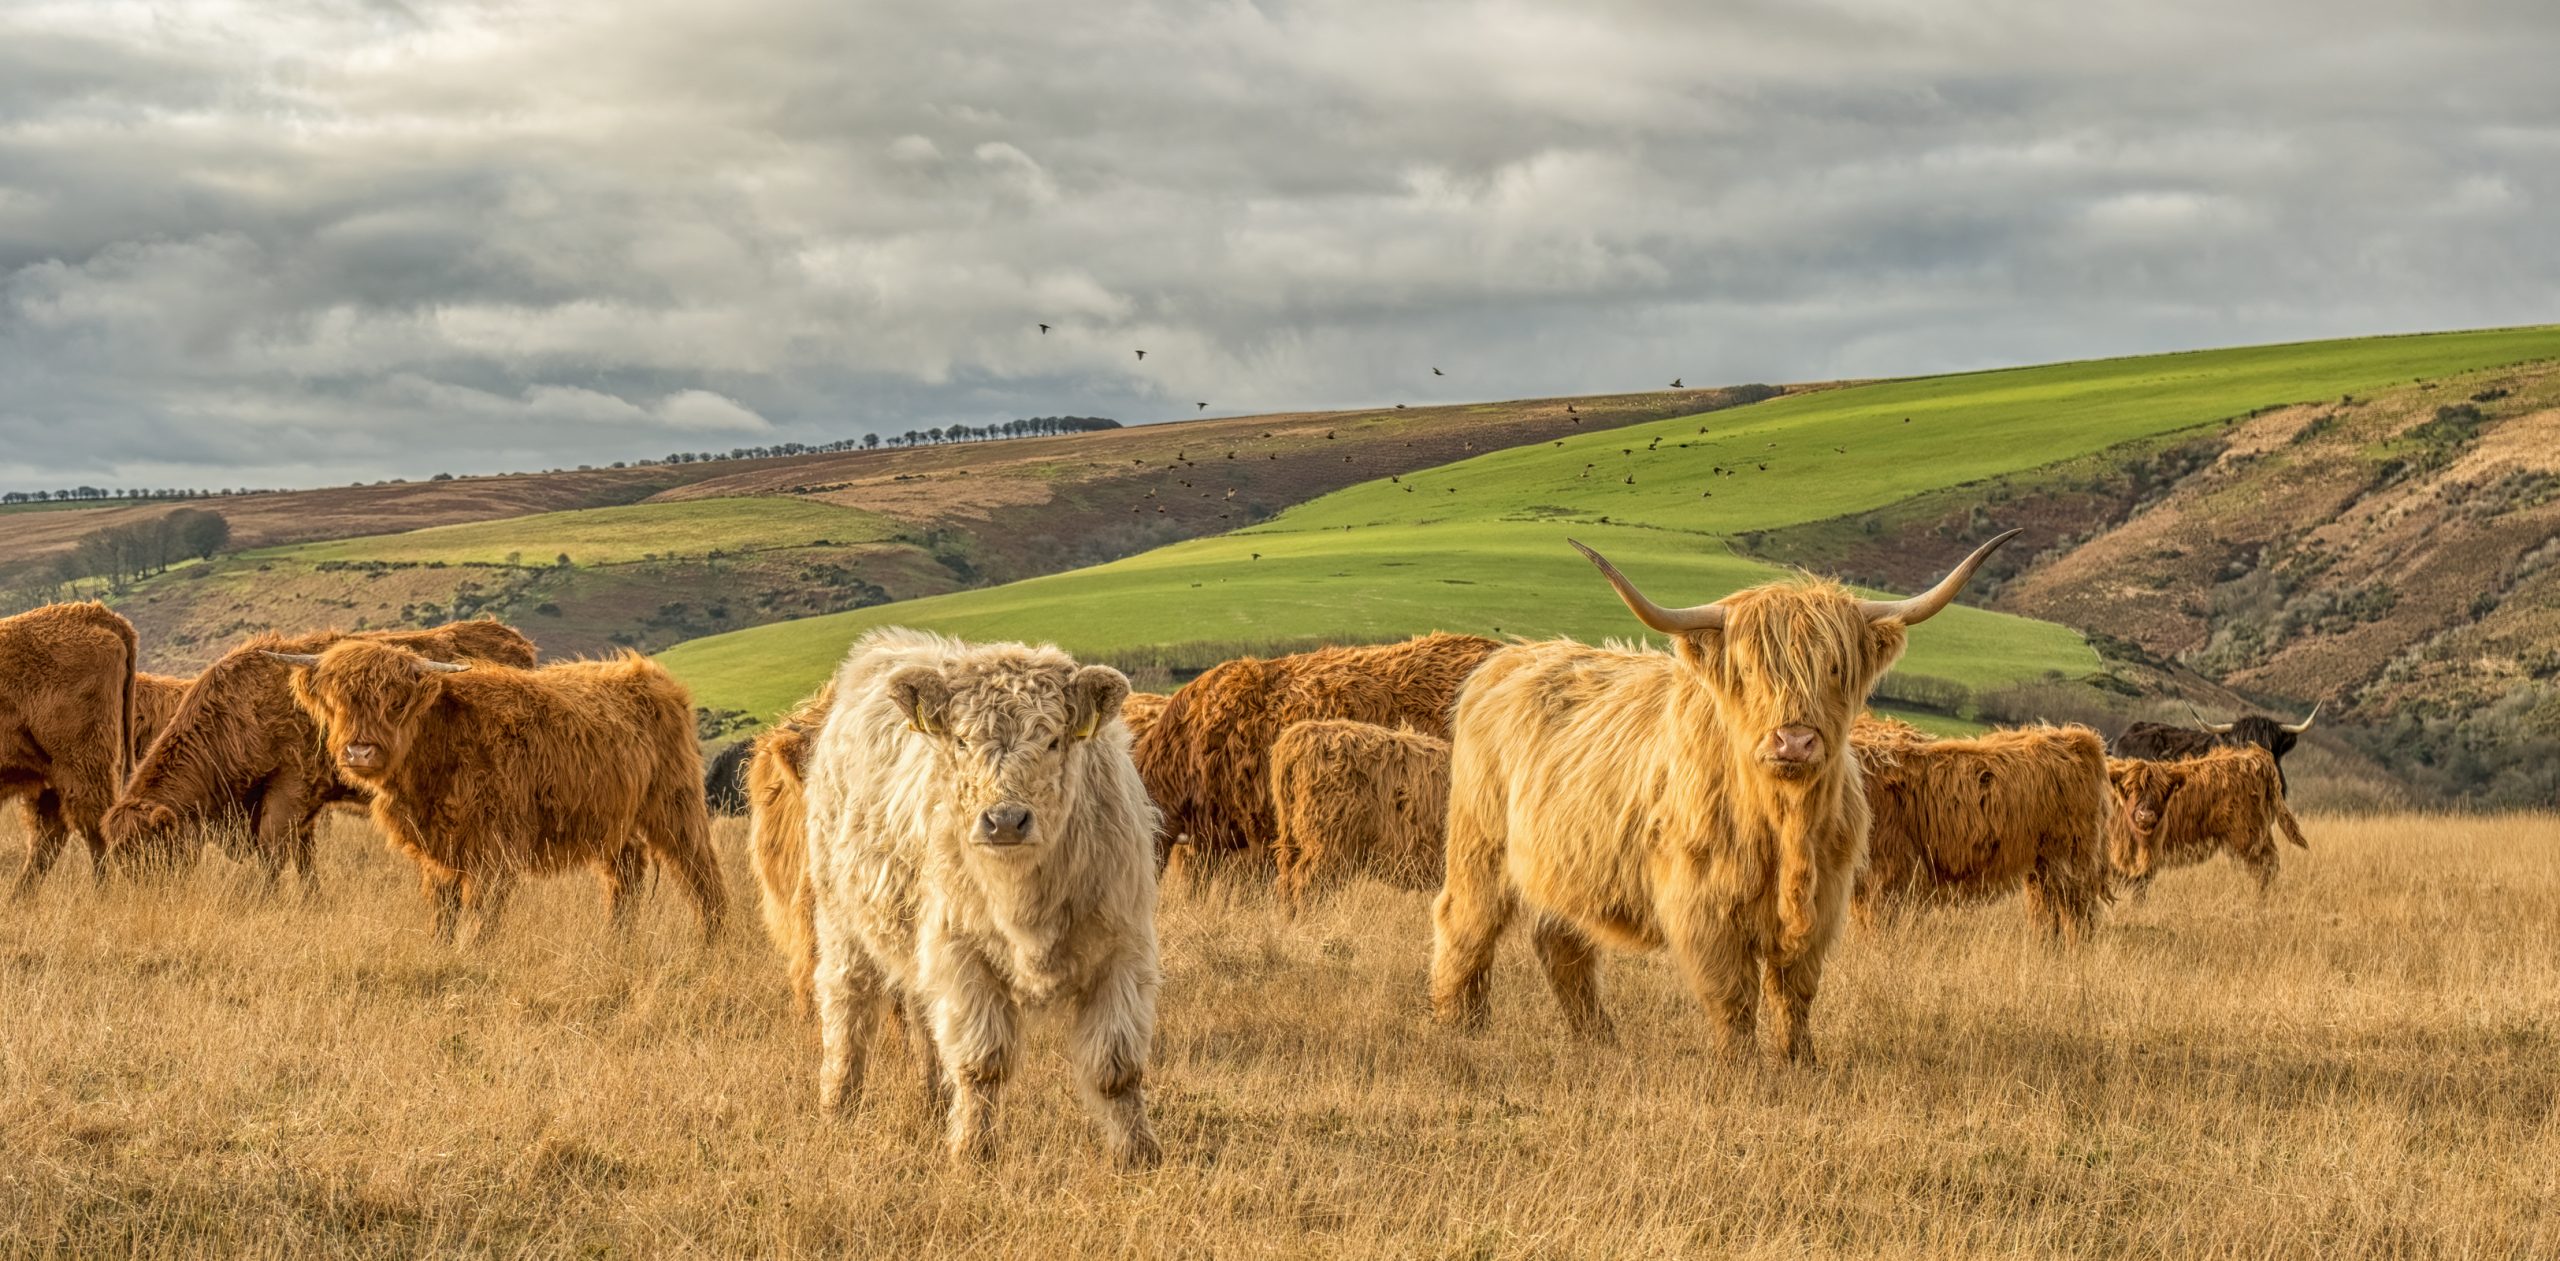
(2177,814)
(1703,800)
(155,698)
(1354,798)
(1207,758)
(1975,819)
(778,837)
(66,719)
(239,761)
(484,774)
(1141,711)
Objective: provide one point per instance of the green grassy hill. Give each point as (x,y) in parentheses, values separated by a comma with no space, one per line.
(1479,545)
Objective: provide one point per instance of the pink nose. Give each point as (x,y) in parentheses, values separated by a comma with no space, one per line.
(1795,744)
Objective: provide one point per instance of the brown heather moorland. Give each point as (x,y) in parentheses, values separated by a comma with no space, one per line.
(2367,1063)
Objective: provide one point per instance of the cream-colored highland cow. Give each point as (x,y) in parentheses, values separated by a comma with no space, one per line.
(979,844)
(1703,800)
(1355,798)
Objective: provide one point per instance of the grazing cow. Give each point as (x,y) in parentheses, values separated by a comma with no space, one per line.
(1207,758)
(778,837)
(66,722)
(1702,799)
(2176,814)
(724,785)
(1354,798)
(979,843)
(1977,818)
(486,773)
(1140,712)
(155,697)
(239,759)
(2161,742)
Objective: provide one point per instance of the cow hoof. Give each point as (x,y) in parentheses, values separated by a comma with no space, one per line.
(1141,1151)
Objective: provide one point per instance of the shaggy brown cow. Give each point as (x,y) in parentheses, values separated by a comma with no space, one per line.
(1356,798)
(241,761)
(1959,820)
(1206,760)
(1703,799)
(2176,814)
(155,698)
(66,719)
(778,837)
(484,773)
(1141,712)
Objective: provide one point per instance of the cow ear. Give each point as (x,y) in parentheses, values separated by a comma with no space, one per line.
(1094,697)
(922,694)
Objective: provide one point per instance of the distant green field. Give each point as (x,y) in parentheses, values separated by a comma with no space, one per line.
(610,536)
(1479,545)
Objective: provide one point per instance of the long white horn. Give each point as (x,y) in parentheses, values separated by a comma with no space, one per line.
(442,667)
(294,658)
(1668,621)
(1927,604)
(2219,729)
(2305,724)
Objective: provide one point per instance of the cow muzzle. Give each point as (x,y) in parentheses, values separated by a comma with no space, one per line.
(2145,820)
(1792,749)
(1005,825)
(361,757)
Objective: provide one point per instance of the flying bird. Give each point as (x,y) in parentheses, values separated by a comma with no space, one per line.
(1438,373)
(1568,410)
(1399,407)
(1631,479)
(1764,468)
(1142,355)
(1675,383)
(1204,407)
(1841,450)
(1044,328)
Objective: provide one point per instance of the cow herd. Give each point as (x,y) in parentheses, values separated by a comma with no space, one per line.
(962,835)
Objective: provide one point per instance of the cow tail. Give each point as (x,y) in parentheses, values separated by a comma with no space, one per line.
(2284,817)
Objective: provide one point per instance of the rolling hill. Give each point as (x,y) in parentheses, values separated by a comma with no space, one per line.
(1477,545)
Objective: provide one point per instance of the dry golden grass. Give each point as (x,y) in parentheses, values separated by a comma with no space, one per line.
(2365,1064)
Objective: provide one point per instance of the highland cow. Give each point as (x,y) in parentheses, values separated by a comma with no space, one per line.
(2161,742)
(1702,799)
(978,844)
(1140,712)
(155,697)
(1207,758)
(66,722)
(1353,798)
(724,782)
(778,838)
(2177,814)
(240,761)
(484,774)
(1975,819)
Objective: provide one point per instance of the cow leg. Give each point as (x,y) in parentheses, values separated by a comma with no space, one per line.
(849,994)
(917,1025)
(2064,889)
(1114,1026)
(621,875)
(1715,956)
(1573,972)
(288,818)
(681,838)
(1792,981)
(444,889)
(487,897)
(41,812)
(1475,904)
(974,1022)
(301,844)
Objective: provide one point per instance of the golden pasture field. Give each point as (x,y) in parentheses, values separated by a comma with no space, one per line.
(2367,1063)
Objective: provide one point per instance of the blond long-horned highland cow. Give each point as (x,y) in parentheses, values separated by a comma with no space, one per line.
(979,845)
(1702,800)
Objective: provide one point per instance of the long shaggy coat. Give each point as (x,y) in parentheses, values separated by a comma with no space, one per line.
(778,838)
(493,773)
(1353,798)
(67,713)
(1620,796)
(979,845)
(2177,814)
(240,761)
(1973,819)
(155,698)
(1207,758)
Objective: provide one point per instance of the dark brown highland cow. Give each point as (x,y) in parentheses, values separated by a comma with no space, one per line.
(240,760)
(484,774)
(1975,819)
(68,713)
(1207,758)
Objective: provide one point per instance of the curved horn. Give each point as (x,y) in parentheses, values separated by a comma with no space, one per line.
(1668,621)
(294,658)
(441,667)
(1927,604)
(2305,724)
(2217,728)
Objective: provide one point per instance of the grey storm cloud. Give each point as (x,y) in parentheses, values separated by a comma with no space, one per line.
(276,243)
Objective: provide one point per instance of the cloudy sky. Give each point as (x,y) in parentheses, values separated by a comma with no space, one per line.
(303,243)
